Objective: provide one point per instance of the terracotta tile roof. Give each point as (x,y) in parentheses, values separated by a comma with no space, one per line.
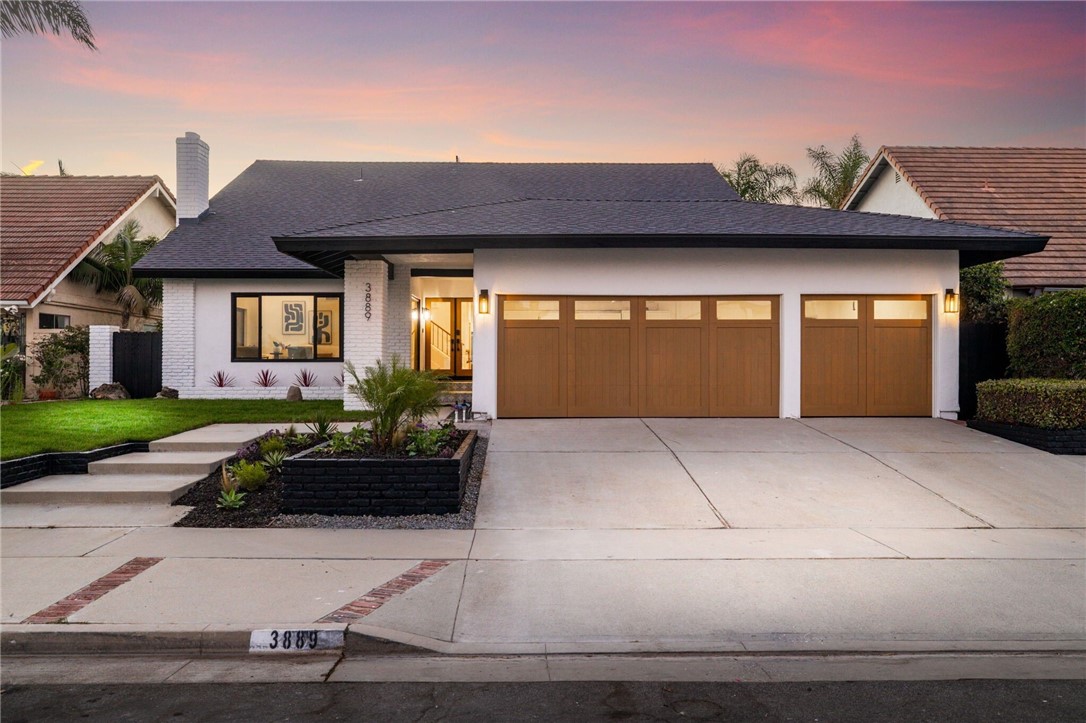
(46,222)
(1037,190)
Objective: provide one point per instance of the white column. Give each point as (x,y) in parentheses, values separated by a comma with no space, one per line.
(365,300)
(398,316)
(179,333)
(101,354)
(791,354)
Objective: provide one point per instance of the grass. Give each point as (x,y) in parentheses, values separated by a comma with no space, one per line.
(77,426)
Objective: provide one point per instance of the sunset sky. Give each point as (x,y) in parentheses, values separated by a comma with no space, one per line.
(539,82)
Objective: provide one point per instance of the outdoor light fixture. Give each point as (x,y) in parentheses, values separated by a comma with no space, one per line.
(950,302)
(484,301)
(425,315)
(414,316)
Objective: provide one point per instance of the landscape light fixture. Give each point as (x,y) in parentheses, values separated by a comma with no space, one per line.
(950,302)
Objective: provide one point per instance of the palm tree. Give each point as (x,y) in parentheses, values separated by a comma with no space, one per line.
(109,270)
(836,174)
(46,16)
(753,181)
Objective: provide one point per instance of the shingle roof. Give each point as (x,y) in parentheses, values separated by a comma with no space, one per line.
(274,198)
(311,206)
(47,222)
(1034,190)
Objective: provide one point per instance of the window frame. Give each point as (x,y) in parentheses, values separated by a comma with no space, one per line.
(43,314)
(234,296)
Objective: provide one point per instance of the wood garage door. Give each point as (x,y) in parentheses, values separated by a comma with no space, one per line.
(866,356)
(638,356)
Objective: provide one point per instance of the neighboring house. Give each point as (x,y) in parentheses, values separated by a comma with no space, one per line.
(48,224)
(562,289)
(1035,190)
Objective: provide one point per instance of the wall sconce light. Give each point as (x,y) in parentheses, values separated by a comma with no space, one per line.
(950,302)
(425,316)
(414,316)
(484,301)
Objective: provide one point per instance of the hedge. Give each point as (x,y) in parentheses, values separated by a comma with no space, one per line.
(1045,403)
(1046,335)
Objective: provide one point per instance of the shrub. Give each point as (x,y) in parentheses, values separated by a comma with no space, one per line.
(1046,336)
(266,378)
(305,378)
(273,460)
(322,427)
(12,368)
(984,293)
(272,444)
(63,361)
(425,442)
(394,396)
(1046,403)
(250,476)
(221,379)
(229,496)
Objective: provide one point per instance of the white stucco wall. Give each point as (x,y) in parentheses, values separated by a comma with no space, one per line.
(209,352)
(667,272)
(888,195)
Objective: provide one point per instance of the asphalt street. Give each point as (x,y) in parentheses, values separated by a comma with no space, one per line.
(959,701)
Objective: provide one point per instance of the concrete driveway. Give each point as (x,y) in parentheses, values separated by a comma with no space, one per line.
(771,473)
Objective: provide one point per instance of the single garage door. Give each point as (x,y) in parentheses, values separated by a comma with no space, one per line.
(866,356)
(638,356)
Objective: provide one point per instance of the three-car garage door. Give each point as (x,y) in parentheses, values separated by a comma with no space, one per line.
(638,356)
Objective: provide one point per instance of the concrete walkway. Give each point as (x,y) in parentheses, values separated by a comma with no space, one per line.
(622,537)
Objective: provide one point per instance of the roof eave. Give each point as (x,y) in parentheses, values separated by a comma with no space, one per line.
(329,253)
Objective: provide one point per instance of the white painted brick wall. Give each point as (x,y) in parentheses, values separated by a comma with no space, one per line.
(365,289)
(178,333)
(398,316)
(101,354)
(192,176)
(254,392)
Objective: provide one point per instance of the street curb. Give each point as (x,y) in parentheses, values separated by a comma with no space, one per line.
(75,639)
(368,640)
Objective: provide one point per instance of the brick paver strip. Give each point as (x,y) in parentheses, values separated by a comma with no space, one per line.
(85,596)
(381,594)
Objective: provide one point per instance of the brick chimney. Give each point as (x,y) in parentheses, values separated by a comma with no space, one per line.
(192,171)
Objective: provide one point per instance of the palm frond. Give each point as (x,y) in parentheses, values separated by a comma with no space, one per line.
(39,17)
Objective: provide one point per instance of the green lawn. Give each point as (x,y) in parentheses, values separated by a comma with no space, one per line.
(87,424)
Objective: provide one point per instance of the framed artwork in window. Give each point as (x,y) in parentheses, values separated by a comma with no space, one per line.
(295,318)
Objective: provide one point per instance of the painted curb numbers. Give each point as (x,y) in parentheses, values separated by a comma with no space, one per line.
(294,641)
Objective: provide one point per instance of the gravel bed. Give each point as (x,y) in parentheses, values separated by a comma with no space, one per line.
(262,507)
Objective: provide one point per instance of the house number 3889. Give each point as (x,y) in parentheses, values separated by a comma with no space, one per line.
(369,301)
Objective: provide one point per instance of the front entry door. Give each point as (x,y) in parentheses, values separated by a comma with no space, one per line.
(449,336)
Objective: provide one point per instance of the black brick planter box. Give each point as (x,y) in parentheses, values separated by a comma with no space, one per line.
(25,469)
(1056,441)
(381,487)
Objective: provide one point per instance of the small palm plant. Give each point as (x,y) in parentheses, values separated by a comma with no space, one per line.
(395,396)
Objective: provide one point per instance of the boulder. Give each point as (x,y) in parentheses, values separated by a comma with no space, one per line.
(167,393)
(294,394)
(112,390)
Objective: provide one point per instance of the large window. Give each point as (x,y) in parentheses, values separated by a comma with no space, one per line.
(288,327)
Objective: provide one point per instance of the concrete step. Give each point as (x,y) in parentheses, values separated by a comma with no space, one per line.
(198,464)
(216,437)
(80,489)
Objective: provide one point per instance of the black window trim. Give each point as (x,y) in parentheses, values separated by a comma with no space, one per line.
(54,317)
(234,296)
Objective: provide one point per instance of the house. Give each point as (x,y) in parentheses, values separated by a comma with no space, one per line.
(563,289)
(51,223)
(1035,190)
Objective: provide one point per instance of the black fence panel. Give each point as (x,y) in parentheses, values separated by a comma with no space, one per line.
(137,362)
(982,355)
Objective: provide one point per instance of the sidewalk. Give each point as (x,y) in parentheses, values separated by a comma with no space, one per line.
(738,591)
